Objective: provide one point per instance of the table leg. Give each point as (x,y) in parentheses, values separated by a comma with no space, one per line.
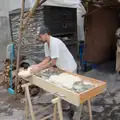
(29,102)
(55,112)
(26,107)
(90,109)
(57,101)
(60,112)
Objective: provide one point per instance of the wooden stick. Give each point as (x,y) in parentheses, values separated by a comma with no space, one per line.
(26,85)
(31,12)
(29,102)
(58,102)
(81,108)
(55,112)
(26,107)
(60,109)
(40,3)
(90,109)
(47,117)
(41,110)
(20,33)
(1,73)
(19,44)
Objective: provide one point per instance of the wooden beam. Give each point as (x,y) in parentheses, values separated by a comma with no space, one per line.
(19,43)
(55,112)
(32,11)
(90,109)
(29,103)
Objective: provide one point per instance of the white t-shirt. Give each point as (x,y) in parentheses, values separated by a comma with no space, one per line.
(58,49)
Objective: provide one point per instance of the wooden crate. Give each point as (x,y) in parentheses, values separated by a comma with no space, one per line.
(69,95)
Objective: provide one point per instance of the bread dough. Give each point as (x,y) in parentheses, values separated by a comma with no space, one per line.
(66,80)
(25,73)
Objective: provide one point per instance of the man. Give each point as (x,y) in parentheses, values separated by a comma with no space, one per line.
(56,53)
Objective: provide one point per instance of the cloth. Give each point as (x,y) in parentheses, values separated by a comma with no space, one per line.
(25,73)
(63,3)
(58,49)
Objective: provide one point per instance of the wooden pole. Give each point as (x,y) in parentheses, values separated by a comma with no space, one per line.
(19,43)
(29,102)
(55,112)
(22,26)
(31,12)
(90,109)
(26,107)
(60,109)
(59,106)
(29,15)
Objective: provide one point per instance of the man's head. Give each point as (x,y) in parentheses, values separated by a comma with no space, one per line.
(43,33)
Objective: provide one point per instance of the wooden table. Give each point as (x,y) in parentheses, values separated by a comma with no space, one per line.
(68,95)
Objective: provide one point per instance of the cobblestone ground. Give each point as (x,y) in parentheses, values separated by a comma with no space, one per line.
(106,106)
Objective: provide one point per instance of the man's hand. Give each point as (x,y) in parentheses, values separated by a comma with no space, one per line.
(46,64)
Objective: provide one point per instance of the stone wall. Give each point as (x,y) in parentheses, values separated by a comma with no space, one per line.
(4,31)
(4,38)
(30,47)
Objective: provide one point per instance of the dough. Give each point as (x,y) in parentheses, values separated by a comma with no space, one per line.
(66,80)
(25,73)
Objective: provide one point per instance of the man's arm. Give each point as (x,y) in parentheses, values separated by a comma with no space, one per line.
(45,61)
(51,63)
(36,67)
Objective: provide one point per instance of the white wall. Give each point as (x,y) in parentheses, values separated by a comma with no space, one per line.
(15,4)
(4,30)
(5,36)
(4,8)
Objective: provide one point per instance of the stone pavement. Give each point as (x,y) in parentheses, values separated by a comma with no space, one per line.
(106,106)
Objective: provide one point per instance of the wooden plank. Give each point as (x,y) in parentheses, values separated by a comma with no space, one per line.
(92,93)
(26,107)
(47,117)
(60,109)
(57,90)
(55,112)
